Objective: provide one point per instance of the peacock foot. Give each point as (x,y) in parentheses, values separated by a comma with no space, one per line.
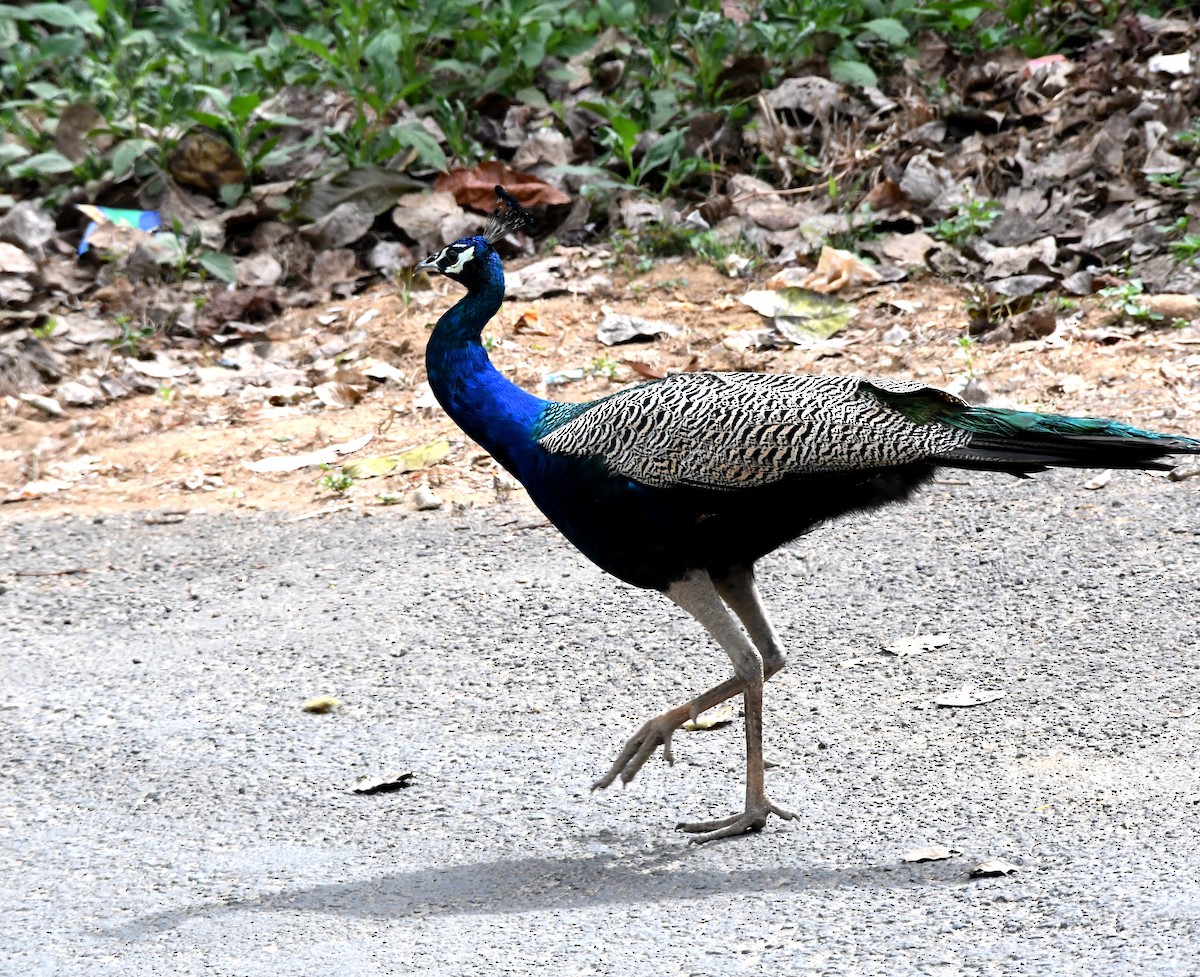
(752,819)
(642,744)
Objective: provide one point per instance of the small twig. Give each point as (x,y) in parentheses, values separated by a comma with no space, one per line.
(544,524)
(321,512)
(51,573)
(165,518)
(750,194)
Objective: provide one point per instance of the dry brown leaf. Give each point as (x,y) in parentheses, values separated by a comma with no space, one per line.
(251,304)
(14,261)
(645,369)
(528,322)
(837,269)
(991,867)
(322,456)
(334,267)
(932,853)
(712,719)
(321,704)
(915,644)
(73,137)
(476,187)
(340,395)
(204,161)
(383,783)
(433,220)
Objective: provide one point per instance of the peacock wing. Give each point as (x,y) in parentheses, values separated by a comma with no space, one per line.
(741,430)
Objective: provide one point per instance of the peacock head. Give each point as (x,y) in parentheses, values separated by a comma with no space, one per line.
(471,261)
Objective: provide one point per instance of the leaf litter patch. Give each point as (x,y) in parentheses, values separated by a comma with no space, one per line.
(253,400)
(1019,176)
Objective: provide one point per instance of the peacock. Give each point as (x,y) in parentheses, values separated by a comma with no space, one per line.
(666,484)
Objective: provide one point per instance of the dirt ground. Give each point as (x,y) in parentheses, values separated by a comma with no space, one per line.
(186,448)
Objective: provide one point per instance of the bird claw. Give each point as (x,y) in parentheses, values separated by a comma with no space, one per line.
(754,818)
(640,747)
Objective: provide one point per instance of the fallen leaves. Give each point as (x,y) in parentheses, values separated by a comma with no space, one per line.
(383,783)
(322,704)
(982,869)
(714,718)
(931,853)
(917,644)
(475,187)
(993,867)
(337,394)
(837,269)
(617,328)
(204,160)
(308,459)
(798,315)
(967,696)
(412,460)
(433,220)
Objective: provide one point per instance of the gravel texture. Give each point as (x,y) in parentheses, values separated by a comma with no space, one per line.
(170,808)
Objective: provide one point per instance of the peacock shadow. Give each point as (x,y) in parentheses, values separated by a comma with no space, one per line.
(528,884)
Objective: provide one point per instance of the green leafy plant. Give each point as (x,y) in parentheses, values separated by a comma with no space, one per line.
(1126,302)
(1190,136)
(972,217)
(187,255)
(622,136)
(972,362)
(680,240)
(131,335)
(604,366)
(1186,248)
(335,481)
(1172,181)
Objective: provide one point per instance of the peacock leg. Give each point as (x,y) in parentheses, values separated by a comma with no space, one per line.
(699,596)
(658,731)
(736,587)
(758,805)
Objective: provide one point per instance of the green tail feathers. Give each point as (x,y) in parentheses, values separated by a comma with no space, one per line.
(1019,423)
(1023,441)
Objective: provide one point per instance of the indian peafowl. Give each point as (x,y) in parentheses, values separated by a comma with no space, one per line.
(665,484)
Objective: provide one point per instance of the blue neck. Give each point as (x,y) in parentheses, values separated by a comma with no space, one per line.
(490,408)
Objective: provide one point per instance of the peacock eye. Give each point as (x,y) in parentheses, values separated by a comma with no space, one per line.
(454,259)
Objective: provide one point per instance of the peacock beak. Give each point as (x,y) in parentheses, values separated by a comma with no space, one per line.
(428,264)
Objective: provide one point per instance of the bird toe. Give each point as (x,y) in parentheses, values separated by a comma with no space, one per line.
(752,820)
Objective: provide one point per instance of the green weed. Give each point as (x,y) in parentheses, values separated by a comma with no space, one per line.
(972,218)
(152,71)
(335,481)
(1186,248)
(972,362)
(604,366)
(131,335)
(1125,302)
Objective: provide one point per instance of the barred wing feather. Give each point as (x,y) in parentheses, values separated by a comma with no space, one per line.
(740,430)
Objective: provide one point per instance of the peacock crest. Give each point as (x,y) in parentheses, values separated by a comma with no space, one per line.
(507,218)
(454,259)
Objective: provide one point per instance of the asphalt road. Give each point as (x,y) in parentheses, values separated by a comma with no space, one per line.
(167,807)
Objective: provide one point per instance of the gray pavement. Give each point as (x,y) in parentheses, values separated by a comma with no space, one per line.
(168,808)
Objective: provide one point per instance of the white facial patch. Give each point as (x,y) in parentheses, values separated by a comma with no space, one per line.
(465,255)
